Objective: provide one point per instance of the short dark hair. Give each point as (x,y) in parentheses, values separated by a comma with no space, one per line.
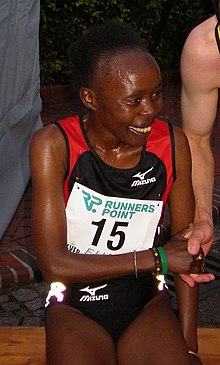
(100,41)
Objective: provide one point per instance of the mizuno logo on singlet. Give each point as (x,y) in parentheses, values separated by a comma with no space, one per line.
(142,175)
(141,178)
(92,294)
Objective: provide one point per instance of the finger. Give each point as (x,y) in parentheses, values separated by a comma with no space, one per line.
(202,278)
(197,278)
(188,280)
(195,241)
(199,234)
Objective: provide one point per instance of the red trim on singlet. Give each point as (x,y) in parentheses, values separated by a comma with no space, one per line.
(163,147)
(160,142)
(77,146)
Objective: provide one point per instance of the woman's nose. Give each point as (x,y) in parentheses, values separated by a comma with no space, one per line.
(148,108)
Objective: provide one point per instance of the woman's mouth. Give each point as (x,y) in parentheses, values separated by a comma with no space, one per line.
(140,130)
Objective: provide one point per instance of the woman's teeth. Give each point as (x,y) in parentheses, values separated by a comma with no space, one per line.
(140,130)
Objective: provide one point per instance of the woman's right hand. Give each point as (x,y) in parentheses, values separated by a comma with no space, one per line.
(178,258)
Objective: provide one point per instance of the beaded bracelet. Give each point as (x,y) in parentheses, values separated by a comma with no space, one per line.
(157,262)
(160,260)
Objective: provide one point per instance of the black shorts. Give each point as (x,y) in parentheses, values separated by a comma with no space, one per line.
(114,304)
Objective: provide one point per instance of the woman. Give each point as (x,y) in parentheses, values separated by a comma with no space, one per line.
(100,184)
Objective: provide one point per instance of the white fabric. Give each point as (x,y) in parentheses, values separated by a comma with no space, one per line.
(99,224)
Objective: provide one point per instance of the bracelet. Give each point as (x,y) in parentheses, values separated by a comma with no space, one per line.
(135,265)
(194,354)
(160,260)
(157,262)
(163,258)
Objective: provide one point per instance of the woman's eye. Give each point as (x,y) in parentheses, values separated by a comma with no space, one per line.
(156,94)
(134,101)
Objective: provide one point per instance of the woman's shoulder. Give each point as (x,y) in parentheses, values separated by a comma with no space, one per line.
(46,135)
(48,142)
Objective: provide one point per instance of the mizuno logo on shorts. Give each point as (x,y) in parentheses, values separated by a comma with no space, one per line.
(141,178)
(92,294)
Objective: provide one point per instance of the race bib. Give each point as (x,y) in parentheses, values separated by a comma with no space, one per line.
(99,224)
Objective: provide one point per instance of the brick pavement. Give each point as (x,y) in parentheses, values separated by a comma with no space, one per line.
(21,285)
(23,306)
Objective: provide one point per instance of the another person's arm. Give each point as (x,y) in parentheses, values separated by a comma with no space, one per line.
(199,105)
(181,204)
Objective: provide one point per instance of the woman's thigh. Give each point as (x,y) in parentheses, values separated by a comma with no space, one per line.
(154,337)
(74,339)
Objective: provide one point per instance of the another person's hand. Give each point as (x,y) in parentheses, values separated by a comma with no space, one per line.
(199,234)
(179,259)
(182,262)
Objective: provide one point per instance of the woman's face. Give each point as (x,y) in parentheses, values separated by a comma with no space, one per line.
(128,98)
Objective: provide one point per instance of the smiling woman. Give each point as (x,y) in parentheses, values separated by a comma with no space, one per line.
(100,185)
(129,103)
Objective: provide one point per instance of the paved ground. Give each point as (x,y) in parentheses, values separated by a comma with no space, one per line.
(22,291)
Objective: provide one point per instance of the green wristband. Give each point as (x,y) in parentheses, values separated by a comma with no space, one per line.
(163,258)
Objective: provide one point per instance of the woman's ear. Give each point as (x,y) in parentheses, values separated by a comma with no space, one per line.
(88,98)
